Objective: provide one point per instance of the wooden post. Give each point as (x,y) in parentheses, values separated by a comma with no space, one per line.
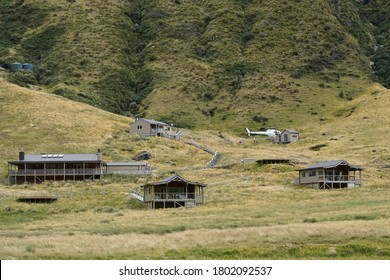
(44,171)
(9,175)
(333,177)
(25,173)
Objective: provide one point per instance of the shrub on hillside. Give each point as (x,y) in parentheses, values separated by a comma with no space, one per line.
(22,78)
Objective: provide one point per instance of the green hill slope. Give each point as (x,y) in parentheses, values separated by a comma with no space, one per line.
(251,211)
(40,122)
(199,63)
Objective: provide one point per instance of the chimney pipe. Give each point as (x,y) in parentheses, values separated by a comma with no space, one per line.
(99,154)
(21,154)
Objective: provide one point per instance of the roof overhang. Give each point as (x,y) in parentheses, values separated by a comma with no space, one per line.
(173,179)
(331,165)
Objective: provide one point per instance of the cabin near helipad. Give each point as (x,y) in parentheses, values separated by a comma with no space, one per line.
(287,136)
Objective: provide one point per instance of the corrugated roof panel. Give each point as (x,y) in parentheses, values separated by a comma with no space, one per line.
(174,178)
(331,164)
(154,122)
(125,163)
(57,158)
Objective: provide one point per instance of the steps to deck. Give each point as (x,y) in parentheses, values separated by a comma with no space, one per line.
(136,195)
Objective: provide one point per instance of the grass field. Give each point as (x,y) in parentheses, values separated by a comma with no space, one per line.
(251,211)
(260,214)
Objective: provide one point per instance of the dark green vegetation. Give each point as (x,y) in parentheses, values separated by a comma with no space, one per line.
(378,14)
(223,60)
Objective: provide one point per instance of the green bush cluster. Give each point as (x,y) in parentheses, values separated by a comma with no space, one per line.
(16,18)
(22,78)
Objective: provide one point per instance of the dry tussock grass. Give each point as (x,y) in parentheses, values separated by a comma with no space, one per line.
(246,205)
(44,123)
(136,245)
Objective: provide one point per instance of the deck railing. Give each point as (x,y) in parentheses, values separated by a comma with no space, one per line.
(170,196)
(130,172)
(163,133)
(337,178)
(35,172)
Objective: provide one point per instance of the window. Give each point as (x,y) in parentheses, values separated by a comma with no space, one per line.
(303,174)
(139,126)
(312,173)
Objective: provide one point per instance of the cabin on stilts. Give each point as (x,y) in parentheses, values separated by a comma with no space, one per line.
(334,174)
(55,167)
(173,192)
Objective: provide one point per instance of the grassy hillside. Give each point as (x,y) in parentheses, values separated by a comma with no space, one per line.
(251,212)
(40,122)
(199,63)
(214,68)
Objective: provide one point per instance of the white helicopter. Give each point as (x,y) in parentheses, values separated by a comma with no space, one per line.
(271,132)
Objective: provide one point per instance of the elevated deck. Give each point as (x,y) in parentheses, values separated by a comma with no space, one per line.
(338,182)
(37,199)
(274,161)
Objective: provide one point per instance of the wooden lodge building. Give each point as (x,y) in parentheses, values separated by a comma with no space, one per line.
(146,127)
(331,175)
(173,192)
(55,167)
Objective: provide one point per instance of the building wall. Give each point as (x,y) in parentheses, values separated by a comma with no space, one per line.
(128,169)
(309,176)
(59,171)
(287,137)
(141,127)
(291,137)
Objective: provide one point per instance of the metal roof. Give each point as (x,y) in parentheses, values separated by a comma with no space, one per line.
(135,163)
(174,178)
(59,158)
(290,130)
(153,121)
(331,164)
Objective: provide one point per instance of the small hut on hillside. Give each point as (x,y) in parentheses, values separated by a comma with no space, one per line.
(173,192)
(286,136)
(146,127)
(330,175)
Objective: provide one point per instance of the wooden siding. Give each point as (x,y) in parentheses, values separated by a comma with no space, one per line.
(142,127)
(173,194)
(140,169)
(286,137)
(39,172)
(330,178)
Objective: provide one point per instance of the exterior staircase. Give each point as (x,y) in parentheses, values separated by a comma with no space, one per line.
(136,195)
